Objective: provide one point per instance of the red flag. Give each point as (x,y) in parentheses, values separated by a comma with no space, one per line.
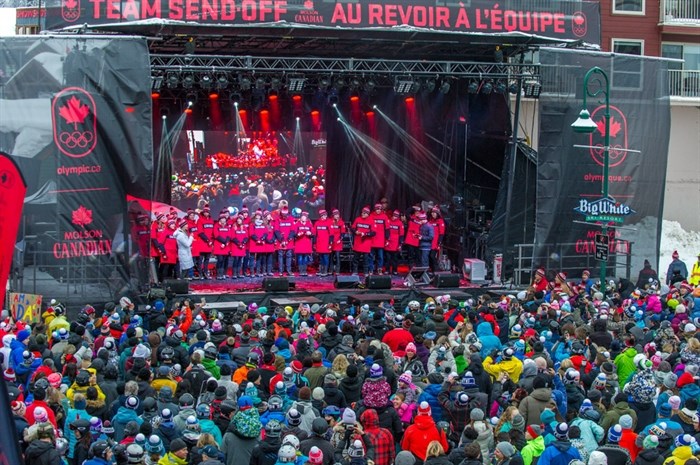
(12,191)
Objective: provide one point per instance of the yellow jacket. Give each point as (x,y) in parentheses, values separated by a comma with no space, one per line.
(513,368)
(679,456)
(159,383)
(694,277)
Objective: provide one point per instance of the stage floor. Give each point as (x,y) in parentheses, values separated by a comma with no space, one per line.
(228,294)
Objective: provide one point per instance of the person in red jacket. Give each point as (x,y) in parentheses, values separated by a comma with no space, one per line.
(221,246)
(422,432)
(169,258)
(257,233)
(238,246)
(439,228)
(338,229)
(413,236)
(398,338)
(205,233)
(394,242)
(141,234)
(157,246)
(324,241)
(381,234)
(193,227)
(363,232)
(284,234)
(303,242)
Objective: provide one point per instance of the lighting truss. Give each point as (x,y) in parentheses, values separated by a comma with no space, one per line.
(336,66)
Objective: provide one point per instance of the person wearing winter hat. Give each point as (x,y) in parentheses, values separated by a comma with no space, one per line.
(418,436)
(177,454)
(650,454)
(535,444)
(591,433)
(682,452)
(315,456)
(504,452)
(318,439)
(628,439)
(616,455)
(561,450)
(597,458)
(376,389)
(404,458)
(380,439)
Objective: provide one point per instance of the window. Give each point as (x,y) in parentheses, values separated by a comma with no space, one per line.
(684,77)
(628,47)
(629,7)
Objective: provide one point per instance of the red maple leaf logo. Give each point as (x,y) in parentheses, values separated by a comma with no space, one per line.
(70,4)
(615,127)
(82,216)
(74,112)
(309,5)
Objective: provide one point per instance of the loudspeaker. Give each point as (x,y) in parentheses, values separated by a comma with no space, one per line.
(346,282)
(276,284)
(378,282)
(177,286)
(418,276)
(447,280)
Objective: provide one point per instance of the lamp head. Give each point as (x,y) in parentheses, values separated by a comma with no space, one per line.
(584,124)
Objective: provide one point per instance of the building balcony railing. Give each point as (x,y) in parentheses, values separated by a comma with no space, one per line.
(681,12)
(684,83)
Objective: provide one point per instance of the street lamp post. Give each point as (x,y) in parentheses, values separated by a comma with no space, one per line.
(597,85)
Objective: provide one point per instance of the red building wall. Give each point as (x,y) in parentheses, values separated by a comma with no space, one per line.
(626,26)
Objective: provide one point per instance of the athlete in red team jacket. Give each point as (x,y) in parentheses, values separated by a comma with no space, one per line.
(338,230)
(394,243)
(324,241)
(303,242)
(363,232)
(381,233)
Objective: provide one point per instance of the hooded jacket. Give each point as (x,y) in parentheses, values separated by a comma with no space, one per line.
(420,434)
(533,405)
(625,365)
(42,453)
(430,395)
(612,417)
(381,439)
(488,341)
(591,433)
(649,457)
(124,415)
(532,450)
(351,388)
(559,453)
(482,378)
(265,453)
(511,366)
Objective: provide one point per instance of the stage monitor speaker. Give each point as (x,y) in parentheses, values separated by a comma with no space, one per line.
(346,282)
(177,286)
(447,280)
(276,284)
(378,282)
(418,276)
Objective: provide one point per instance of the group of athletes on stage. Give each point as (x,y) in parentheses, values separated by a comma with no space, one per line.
(244,245)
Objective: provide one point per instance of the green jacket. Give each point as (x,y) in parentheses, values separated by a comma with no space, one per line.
(532,449)
(625,365)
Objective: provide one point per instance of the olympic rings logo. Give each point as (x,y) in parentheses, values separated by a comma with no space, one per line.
(76,139)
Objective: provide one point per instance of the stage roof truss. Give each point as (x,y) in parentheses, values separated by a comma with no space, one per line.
(163,63)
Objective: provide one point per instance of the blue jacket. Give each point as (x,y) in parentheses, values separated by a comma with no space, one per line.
(71,416)
(16,358)
(488,340)
(430,395)
(210,427)
(96,461)
(559,453)
(267,416)
(689,391)
(123,416)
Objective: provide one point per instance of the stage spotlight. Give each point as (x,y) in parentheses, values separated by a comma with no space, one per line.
(487,88)
(532,88)
(430,85)
(473,87)
(355,83)
(370,85)
(409,99)
(260,83)
(324,83)
(374,107)
(191,99)
(339,83)
(156,82)
(235,97)
(403,85)
(188,81)
(445,87)
(355,98)
(205,82)
(513,88)
(500,87)
(245,82)
(172,80)
(295,83)
(221,81)
(275,84)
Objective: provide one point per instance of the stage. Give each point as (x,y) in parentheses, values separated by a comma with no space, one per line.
(227,295)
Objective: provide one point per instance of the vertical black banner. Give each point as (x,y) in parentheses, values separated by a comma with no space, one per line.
(569,181)
(76,117)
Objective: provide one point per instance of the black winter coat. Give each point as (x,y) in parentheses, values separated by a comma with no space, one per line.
(351,388)
(649,457)
(265,453)
(42,453)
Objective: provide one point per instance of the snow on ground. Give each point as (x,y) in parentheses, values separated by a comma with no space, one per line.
(673,237)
